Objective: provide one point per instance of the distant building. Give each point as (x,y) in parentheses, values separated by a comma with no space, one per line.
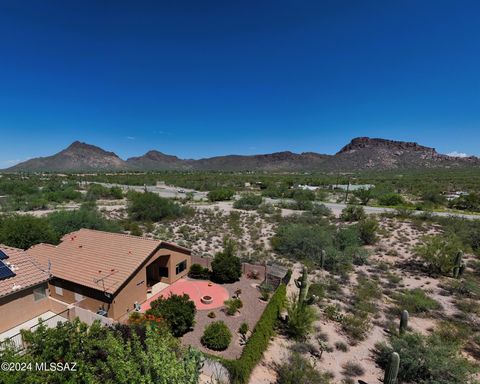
(352,187)
(455,195)
(308,187)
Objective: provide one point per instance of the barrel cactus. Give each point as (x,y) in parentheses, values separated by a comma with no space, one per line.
(391,372)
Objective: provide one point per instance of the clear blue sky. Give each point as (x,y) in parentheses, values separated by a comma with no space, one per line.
(200,78)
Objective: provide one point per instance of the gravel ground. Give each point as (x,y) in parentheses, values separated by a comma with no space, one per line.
(250,313)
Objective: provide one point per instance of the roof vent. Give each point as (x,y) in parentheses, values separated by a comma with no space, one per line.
(16,287)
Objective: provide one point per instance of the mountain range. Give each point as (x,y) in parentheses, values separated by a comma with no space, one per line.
(361,153)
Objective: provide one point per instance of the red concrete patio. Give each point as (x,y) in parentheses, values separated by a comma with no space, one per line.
(195,289)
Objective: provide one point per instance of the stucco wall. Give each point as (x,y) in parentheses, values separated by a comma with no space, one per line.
(20,307)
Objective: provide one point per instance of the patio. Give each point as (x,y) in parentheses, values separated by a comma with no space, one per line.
(196,290)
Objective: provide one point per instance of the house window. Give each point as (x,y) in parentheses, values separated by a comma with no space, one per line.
(39,294)
(58,290)
(181,267)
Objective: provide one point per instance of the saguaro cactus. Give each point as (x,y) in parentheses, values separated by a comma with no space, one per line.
(459,265)
(322,259)
(403,322)
(391,372)
(302,284)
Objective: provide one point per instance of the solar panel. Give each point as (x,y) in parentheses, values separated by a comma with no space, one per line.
(5,272)
(3,255)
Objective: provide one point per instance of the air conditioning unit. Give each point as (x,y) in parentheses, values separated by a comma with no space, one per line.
(137,307)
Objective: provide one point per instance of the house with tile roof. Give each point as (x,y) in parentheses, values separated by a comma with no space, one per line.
(109,273)
(23,291)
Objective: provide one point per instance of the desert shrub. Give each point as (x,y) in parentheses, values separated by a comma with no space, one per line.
(221,194)
(352,213)
(439,252)
(433,197)
(306,242)
(391,199)
(367,229)
(356,326)
(416,301)
(243,329)
(216,336)
(298,370)
(252,353)
(266,208)
(364,195)
(151,207)
(64,222)
(341,346)
(426,360)
(226,266)
(198,272)
(98,191)
(300,319)
(317,290)
(320,210)
(470,202)
(248,201)
(352,369)
(233,305)
(25,231)
(303,194)
(178,311)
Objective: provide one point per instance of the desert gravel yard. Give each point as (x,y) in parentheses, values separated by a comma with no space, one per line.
(251,311)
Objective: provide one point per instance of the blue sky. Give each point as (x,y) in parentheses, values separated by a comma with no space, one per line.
(202,78)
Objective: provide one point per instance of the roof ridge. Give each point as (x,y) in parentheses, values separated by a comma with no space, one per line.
(115,234)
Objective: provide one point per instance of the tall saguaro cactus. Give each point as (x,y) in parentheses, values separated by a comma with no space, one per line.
(322,259)
(403,322)
(459,265)
(391,372)
(302,284)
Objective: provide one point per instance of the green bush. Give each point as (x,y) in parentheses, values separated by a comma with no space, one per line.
(367,229)
(98,191)
(416,301)
(198,272)
(151,207)
(353,213)
(64,222)
(248,201)
(364,195)
(216,336)
(25,231)
(426,360)
(391,199)
(233,305)
(298,370)
(226,266)
(178,312)
(300,319)
(439,252)
(221,194)
(103,355)
(252,353)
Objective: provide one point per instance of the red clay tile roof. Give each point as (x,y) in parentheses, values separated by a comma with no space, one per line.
(28,272)
(96,259)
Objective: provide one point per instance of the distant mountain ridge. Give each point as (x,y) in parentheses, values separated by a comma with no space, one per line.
(360,154)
